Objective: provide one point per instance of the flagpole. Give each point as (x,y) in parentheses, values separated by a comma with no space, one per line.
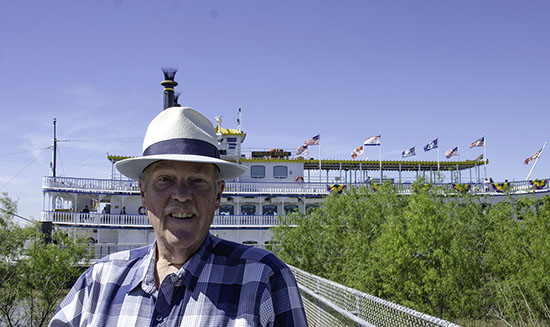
(381,174)
(485,156)
(458,170)
(320,171)
(537,160)
(438,172)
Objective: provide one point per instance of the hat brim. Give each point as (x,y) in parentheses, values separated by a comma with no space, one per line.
(133,167)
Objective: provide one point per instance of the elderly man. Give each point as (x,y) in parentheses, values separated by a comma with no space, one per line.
(187,277)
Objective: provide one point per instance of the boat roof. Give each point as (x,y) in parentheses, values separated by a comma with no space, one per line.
(395,165)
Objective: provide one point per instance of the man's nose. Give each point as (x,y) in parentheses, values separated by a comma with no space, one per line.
(182,191)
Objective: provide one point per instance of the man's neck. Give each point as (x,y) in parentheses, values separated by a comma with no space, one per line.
(170,260)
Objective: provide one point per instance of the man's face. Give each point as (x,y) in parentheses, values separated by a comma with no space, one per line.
(181,198)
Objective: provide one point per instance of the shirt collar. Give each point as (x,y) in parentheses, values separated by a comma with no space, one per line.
(188,274)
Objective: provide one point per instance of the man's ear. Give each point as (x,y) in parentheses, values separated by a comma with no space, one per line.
(221,187)
(142,194)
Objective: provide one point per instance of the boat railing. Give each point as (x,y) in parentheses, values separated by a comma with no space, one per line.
(90,184)
(111,220)
(70,184)
(275,188)
(248,220)
(94,219)
(100,250)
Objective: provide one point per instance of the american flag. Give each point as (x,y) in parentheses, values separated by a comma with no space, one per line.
(431,145)
(373,140)
(409,152)
(478,142)
(451,153)
(316,140)
(301,149)
(533,157)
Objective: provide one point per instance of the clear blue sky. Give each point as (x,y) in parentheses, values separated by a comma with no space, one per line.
(409,69)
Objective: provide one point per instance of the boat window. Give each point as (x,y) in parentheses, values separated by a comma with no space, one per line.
(232,142)
(227,210)
(280,171)
(251,243)
(248,209)
(290,208)
(257,171)
(311,207)
(270,210)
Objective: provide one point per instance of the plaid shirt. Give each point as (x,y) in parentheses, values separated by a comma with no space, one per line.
(222,284)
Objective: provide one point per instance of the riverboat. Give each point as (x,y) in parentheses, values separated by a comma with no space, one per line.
(277,182)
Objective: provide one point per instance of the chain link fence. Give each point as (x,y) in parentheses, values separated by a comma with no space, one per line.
(330,304)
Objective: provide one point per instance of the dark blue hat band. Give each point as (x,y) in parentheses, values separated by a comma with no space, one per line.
(183,146)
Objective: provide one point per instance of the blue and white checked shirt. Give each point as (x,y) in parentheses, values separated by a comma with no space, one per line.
(222,284)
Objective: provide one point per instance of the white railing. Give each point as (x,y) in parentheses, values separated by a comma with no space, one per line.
(280,188)
(331,304)
(101,250)
(95,219)
(275,188)
(247,220)
(110,220)
(90,184)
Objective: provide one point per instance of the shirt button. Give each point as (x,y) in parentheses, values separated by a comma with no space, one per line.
(159,318)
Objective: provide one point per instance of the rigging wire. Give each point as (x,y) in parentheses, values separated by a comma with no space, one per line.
(16,215)
(27,166)
(115,138)
(59,159)
(106,140)
(20,152)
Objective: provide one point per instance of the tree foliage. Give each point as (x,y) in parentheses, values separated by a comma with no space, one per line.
(34,274)
(451,255)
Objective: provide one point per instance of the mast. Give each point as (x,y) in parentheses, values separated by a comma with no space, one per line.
(54,160)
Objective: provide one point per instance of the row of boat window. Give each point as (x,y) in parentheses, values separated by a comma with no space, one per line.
(267,209)
(258,171)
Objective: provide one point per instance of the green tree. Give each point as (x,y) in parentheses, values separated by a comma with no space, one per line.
(334,241)
(519,258)
(12,239)
(448,254)
(34,274)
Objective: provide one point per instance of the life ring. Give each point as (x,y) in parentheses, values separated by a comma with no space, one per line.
(142,210)
(299,179)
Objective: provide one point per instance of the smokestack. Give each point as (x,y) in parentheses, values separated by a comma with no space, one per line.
(169,85)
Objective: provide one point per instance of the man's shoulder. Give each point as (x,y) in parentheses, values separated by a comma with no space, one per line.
(236,253)
(119,263)
(122,257)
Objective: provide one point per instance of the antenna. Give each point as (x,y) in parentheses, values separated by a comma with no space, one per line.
(240,120)
(54,163)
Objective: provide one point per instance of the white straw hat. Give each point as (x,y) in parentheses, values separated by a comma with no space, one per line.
(180,134)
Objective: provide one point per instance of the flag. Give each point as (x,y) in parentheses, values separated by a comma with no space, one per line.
(478,142)
(357,152)
(316,140)
(480,157)
(373,140)
(533,157)
(409,152)
(301,149)
(431,145)
(451,153)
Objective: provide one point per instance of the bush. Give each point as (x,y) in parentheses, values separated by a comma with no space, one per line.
(450,255)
